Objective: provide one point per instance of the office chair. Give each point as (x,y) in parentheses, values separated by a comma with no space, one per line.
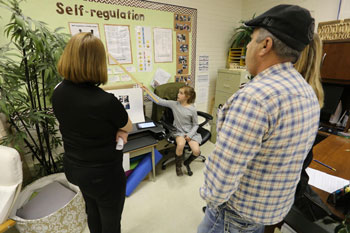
(10,184)
(165,117)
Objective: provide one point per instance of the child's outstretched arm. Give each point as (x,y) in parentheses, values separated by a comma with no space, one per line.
(162,102)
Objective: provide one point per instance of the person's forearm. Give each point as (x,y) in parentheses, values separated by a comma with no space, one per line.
(161,102)
(128,127)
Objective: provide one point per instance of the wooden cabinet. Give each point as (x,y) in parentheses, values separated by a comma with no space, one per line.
(336,62)
(227,83)
(335,71)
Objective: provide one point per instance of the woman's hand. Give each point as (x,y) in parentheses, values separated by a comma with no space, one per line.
(122,134)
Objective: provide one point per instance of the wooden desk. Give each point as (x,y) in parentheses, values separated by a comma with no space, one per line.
(144,150)
(335,152)
(140,142)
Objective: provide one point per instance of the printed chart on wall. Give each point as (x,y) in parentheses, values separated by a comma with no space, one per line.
(84,27)
(118,43)
(144,49)
(155,42)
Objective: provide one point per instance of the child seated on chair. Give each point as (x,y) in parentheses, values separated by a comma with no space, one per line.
(186,123)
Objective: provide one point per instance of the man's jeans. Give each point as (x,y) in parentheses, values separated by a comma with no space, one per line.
(222,220)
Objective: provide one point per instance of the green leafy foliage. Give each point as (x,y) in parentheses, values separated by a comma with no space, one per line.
(28,76)
(345,226)
(241,35)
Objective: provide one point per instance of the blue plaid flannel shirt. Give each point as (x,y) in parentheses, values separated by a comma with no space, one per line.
(264,132)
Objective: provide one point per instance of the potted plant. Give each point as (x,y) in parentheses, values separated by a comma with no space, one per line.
(27,78)
(344,227)
(239,42)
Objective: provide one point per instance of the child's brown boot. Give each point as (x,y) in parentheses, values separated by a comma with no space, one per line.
(178,162)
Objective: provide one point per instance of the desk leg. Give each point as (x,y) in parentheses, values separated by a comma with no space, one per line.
(153,164)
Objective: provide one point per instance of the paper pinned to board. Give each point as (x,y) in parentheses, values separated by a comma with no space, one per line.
(132,100)
(160,77)
(324,181)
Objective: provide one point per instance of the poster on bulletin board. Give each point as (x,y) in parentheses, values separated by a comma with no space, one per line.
(143,36)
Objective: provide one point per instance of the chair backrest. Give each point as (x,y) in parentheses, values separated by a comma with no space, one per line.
(166,91)
(168,116)
(10,180)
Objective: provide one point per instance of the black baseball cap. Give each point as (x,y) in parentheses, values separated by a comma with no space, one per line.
(292,24)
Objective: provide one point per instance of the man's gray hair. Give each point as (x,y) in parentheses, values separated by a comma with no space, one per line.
(281,49)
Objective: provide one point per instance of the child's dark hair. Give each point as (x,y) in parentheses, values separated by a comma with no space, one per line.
(190,93)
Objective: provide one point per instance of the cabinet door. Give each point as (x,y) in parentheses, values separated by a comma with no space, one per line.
(228,81)
(221,98)
(336,63)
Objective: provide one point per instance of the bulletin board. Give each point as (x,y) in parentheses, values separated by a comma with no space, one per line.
(149,39)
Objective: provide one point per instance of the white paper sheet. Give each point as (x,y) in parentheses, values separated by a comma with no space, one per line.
(124,77)
(324,181)
(119,70)
(126,161)
(203,80)
(202,88)
(113,78)
(203,63)
(84,27)
(160,77)
(118,43)
(132,100)
(163,45)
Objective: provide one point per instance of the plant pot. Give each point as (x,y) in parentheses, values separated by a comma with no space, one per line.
(70,218)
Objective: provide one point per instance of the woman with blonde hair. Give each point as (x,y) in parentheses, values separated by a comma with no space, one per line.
(90,121)
(309,66)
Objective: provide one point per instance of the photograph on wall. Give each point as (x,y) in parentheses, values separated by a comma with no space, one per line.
(118,43)
(182,27)
(182,22)
(182,18)
(183,79)
(76,28)
(182,48)
(182,65)
(182,38)
(163,44)
(124,99)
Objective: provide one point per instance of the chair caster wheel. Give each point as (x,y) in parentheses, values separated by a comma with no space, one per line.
(163,167)
(190,173)
(203,160)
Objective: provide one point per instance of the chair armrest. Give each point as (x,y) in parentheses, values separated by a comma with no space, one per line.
(206,116)
(167,126)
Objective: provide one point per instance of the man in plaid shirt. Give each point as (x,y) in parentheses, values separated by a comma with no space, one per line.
(264,131)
